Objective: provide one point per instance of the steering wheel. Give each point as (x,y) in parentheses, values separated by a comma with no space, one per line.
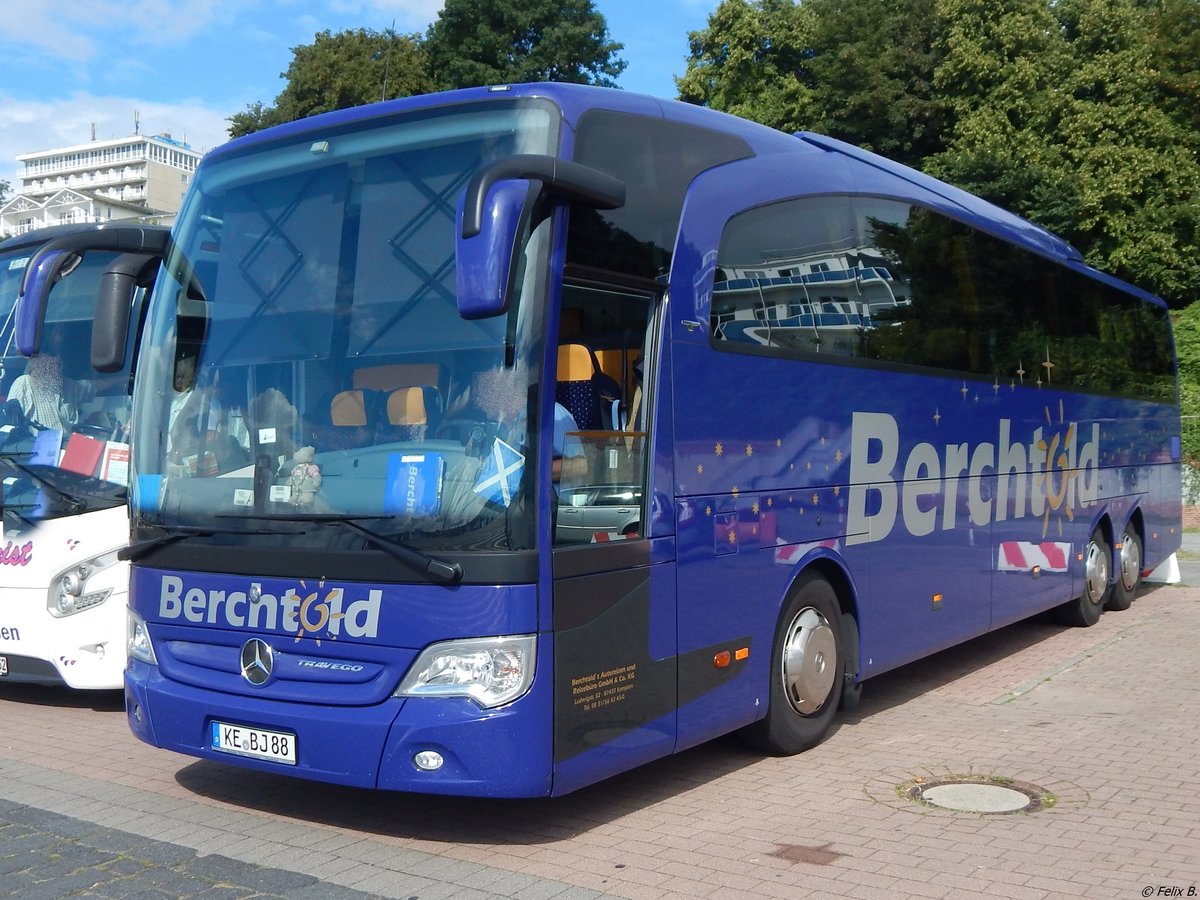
(468,430)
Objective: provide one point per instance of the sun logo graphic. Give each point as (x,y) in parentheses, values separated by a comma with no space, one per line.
(1056,482)
(314,616)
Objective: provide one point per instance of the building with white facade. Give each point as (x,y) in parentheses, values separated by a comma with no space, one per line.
(139,177)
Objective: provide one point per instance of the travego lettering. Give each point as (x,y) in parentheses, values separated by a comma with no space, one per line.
(309,616)
(1052,473)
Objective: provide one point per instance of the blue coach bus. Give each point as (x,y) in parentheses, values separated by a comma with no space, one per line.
(547,430)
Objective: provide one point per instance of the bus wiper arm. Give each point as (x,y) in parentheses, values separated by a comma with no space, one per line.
(450,573)
(134,552)
(74,504)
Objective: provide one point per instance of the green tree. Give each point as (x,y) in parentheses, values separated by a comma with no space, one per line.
(341,70)
(1134,167)
(861,71)
(1059,116)
(254,117)
(5,187)
(999,70)
(873,64)
(1176,47)
(1186,323)
(753,60)
(479,42)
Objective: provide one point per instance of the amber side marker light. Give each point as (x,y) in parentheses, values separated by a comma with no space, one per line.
(723,659)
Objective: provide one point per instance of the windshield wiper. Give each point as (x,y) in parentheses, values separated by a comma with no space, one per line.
(450,573)
(74,504)
(18,516)
(134,552)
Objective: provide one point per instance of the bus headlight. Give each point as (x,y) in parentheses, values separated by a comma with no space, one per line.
(137,640)
(490,671)
(75,589)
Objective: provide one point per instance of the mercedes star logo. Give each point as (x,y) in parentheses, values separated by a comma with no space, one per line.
(257,660)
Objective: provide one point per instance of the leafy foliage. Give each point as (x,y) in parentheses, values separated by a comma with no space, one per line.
(473,42)
(752,61)
(1083,115)
(873,76)
(1186,323)
(341,70)
(478,42)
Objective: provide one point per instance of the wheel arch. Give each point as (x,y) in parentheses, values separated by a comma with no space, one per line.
(1137,519)
(833,569)
(1104,521)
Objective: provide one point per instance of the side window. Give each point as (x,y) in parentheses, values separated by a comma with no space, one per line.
(896,283)
(845,277)
(601,405)
(1063,329)
(938,317)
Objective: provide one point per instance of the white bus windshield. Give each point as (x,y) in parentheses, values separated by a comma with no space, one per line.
(63,427)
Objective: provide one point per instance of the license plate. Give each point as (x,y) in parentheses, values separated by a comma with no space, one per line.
(277,746)
(3,666)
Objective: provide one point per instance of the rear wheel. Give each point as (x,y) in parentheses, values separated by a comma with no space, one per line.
(1085,610)
(807,674)
(1129,570)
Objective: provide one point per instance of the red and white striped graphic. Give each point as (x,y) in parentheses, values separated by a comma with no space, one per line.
(603,537)
(790,554)
(1022,556)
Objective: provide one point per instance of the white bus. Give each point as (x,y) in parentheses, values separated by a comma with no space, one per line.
(64,460)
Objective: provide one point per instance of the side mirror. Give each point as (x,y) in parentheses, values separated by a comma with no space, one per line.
(484,262)
(45,271)
(60,255)
(493,212)
(114,307)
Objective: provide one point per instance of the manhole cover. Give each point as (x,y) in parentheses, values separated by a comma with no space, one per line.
(978,794)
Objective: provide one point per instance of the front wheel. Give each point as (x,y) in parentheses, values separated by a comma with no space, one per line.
(1129,570)
(806,676)
(1084,611)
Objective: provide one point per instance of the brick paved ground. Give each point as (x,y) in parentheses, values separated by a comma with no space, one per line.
(1104,719)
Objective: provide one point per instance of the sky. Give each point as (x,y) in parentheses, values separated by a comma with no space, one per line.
(182,67)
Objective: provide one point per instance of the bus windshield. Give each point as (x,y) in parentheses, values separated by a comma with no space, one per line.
(310,362)
(63,434)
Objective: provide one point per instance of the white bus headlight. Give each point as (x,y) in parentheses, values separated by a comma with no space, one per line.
(137,640)
(81,586)
(490,671)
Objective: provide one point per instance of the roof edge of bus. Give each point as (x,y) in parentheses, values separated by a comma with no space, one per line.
(38,236)
(381,108)
(1029,232)
(571,98)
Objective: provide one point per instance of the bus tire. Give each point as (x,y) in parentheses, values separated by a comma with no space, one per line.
(851,689)
(1129,571)
(1084,611)
(806,671)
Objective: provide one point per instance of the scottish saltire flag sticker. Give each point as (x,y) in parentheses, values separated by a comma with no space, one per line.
(501,474)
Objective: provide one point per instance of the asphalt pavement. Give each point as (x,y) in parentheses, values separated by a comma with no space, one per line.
(1098,725)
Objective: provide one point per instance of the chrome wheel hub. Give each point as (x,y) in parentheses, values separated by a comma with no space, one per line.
(1096,572)
(810,661)
(1131,563)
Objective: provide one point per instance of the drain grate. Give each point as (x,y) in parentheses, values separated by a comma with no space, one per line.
(987,795)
